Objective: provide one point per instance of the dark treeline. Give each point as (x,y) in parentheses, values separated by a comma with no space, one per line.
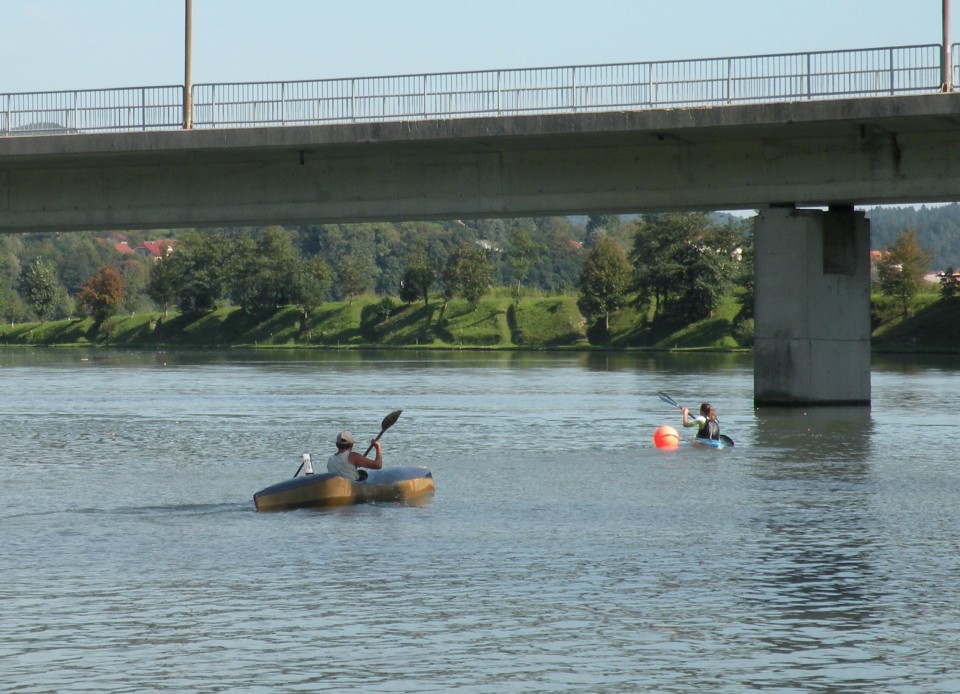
(938,230)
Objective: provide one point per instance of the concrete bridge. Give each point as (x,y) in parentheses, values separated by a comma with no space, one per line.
(895,141)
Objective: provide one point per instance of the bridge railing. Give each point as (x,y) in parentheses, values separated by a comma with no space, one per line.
(571,89)
(91,110)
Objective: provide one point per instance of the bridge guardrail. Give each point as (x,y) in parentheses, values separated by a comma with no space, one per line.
(570,89)
(91,110)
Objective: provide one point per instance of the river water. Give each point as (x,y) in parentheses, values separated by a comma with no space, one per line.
(562,552)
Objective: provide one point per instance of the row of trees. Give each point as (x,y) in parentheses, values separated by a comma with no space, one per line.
(361,258)
(679,266)
(673,266)
(675,263)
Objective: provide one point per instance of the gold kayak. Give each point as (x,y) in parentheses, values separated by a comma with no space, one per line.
(406,484)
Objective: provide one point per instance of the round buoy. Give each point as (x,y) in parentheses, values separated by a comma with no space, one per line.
(666,437)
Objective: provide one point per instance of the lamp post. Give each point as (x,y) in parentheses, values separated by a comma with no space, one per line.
(187,59)
(946,69)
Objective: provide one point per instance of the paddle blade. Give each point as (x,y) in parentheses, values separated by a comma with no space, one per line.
(727,441)
(387,422)
(667,399)
(390,420)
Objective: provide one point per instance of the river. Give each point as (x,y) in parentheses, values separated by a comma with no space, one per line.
(562,551)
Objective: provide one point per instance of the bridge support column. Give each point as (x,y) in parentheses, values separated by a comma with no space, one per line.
(812,307)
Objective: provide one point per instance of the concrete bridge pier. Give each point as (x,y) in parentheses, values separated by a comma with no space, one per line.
(812,307)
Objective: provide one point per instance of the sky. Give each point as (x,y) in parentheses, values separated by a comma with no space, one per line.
(54,45)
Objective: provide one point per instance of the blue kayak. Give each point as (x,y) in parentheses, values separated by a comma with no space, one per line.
(722,442)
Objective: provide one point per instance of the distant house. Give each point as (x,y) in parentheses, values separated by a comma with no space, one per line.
(156,249)
(574,245)
(942,277)
(147,249)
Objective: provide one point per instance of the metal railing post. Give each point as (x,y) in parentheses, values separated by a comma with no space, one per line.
(893,76)
(188,65)
(946,84)
(573,89)
(650,95)
(729,98)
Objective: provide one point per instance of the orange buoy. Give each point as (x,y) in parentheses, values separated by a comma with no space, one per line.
(666,437)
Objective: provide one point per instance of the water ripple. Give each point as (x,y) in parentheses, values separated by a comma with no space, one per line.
(561,553)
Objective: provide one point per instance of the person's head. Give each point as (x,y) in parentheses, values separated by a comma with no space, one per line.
(706,410)
(344,440)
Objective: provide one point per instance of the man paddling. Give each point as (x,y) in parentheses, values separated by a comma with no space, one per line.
(706,422)
(346,463)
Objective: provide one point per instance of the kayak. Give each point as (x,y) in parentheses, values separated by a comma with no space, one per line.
(407,484)
(723,442)
(707,443)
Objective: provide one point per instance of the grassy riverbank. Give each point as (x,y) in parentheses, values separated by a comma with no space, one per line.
(544,322)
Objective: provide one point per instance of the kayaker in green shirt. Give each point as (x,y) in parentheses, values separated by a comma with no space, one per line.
(706,422)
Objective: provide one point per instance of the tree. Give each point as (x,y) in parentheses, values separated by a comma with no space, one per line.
(135,273)
(312,282)
(682,262)
(102,294)
(598,226)
(468,272)
(38,287)
(901,268)
(12,309)
(417,281)
(78,258)
(354,274)
(265,276)
(558,267)
(205,266)
(522,255)
(604,281)
(164,281)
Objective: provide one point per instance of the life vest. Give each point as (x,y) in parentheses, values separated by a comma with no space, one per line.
(710,430)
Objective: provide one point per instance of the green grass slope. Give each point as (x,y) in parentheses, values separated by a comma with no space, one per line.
(497,322)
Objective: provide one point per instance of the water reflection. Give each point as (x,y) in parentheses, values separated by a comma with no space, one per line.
(820,443)
(815,589)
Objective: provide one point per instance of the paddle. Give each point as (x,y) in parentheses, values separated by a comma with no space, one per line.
(673,403)
(387,422)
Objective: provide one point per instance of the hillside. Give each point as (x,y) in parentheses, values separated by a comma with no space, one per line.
(545,322)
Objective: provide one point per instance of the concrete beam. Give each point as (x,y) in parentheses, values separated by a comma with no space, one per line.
(863,151)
